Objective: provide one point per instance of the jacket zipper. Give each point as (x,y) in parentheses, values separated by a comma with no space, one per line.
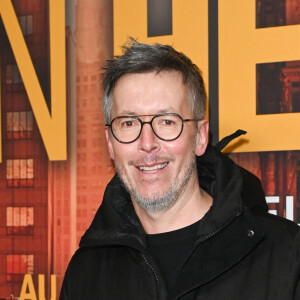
(153,271)
(225,224)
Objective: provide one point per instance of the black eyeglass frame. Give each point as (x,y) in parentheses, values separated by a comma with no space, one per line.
(150,123)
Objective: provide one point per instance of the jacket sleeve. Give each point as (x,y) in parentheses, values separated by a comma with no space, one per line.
(64,289)
(72,288)
(70,282)
(296,269)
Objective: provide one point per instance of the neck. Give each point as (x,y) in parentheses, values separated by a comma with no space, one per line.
(189,208)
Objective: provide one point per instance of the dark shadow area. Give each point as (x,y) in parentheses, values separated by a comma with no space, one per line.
(159,17)
(270,13)
(278,87)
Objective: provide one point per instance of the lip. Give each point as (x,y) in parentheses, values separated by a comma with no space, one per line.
(152,168)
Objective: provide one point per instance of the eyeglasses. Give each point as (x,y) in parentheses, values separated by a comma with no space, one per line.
(167,127)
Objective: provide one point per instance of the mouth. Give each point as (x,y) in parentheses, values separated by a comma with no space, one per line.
(152,169)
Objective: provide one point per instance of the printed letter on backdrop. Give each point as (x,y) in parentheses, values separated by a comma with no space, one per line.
(241,47)
(52,126)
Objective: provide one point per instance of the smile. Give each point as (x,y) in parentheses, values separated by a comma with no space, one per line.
(152,168)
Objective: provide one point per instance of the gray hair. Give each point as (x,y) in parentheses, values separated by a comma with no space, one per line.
(142,58)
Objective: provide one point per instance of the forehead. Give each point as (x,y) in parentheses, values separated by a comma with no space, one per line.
(150,93)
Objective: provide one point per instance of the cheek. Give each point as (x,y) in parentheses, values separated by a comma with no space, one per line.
(123,153)
(186,142)
(181,147)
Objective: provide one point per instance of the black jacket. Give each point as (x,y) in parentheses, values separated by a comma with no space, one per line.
(241,252)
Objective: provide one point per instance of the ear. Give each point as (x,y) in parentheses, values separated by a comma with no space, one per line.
(202,137)
(109,144)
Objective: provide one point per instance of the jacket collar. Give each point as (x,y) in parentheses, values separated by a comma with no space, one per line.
(117,223)
(215,256)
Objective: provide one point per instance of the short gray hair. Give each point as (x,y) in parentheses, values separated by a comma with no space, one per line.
(141,58)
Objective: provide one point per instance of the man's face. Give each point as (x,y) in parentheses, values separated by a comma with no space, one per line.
(156,173)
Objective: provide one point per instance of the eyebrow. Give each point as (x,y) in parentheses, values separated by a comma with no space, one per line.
(166,110)
(161,111)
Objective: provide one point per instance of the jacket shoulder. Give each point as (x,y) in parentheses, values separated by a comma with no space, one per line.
(278,224)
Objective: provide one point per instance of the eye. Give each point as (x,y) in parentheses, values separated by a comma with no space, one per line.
(168,122)
(129,123)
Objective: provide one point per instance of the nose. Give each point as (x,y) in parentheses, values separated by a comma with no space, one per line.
(148,141)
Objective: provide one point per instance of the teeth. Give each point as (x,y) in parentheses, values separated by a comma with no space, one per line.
(153,168)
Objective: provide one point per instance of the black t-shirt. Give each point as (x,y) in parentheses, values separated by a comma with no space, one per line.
(170,249)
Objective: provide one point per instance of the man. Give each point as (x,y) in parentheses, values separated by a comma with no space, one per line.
(180,220)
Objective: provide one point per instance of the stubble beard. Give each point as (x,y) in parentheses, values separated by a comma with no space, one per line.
(160,201)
